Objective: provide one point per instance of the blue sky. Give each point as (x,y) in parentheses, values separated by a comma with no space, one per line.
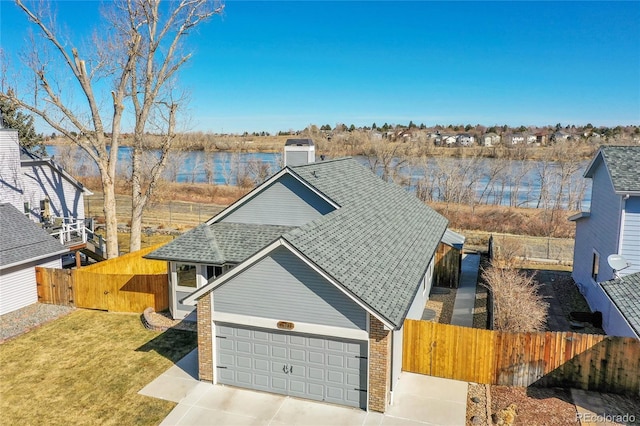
(274,65)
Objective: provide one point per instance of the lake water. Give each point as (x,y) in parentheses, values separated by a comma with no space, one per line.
(485,180)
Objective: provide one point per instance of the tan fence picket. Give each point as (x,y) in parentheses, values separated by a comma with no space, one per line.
(567,359)
(128,283)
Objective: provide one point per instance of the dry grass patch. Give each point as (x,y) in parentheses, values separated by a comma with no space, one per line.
(87,368)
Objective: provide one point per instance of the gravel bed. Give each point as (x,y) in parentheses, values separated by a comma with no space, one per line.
(25,319)
(441,301)
(477,404)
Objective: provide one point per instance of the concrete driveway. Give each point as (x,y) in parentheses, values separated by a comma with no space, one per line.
(418,400)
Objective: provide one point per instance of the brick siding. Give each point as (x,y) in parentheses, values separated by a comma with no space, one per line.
(205,335)
(379,365)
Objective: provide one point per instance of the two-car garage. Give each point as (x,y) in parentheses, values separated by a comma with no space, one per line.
(302,365)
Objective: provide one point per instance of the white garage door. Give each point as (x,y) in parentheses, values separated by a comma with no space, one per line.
(302,365)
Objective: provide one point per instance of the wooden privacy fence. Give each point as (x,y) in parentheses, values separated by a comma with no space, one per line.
(564,359)
(128,283)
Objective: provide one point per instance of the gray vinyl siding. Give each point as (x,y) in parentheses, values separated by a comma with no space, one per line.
(282,287)
(415,312)
(613,322)
(296,158)
(180,295)
(631,235)
(18,284)
(417,306)
(10,175)
(600,231)
(285,202)
(41,181)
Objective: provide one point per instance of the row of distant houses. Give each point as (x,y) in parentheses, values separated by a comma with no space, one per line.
(493,139)
(469,139)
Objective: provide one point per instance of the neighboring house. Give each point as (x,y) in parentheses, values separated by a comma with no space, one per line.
(623,315)
(517,139)
(23,246)
(490,139)
(560,136)
(531,139)
(49,190)
(612,226)
(37,186)
(446,140)
(465,139)
(542,138)
(303,285)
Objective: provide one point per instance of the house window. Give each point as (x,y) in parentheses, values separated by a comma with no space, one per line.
(186,275)
(27,208)
(213,272)
(595,266)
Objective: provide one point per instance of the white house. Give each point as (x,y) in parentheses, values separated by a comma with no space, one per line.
(23,246)
(465,139)
(490,139)
(37,186)
(446,140)
(517,138)
(611,226)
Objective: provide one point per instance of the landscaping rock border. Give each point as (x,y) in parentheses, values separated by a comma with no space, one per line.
(161,321)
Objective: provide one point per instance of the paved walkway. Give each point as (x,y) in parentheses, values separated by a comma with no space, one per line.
(466,293)
(417,401)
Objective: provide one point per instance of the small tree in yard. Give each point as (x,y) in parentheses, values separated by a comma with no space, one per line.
(13,118)
(517,305)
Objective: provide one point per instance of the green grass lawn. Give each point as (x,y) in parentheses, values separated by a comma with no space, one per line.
(87,368)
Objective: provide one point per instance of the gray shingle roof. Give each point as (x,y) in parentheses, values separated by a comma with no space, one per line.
(623,163)
(378,244)
(453,239)
(21,240)
(625,293)
(219,243)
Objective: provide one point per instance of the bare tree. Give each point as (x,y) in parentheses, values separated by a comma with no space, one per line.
(385,157)
(491,174)
(136,57)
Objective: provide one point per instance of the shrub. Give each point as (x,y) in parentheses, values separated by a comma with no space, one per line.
(517,305)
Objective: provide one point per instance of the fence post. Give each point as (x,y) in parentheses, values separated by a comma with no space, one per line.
(491,247)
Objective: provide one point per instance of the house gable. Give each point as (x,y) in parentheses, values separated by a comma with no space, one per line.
(285,200)
(282,287)
(598,233)
(43,181)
